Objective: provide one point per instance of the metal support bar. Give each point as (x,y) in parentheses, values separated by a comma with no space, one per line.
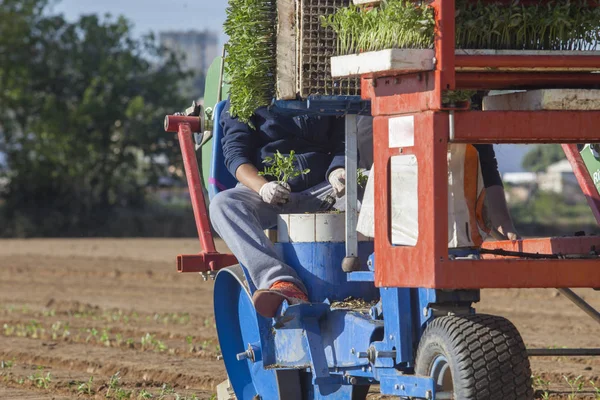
(351,263)
(562,352)
(579,302)
(190,163)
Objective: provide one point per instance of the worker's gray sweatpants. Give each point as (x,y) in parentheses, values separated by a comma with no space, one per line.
(240,217)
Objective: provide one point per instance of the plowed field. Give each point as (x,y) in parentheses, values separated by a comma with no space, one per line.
(107,318)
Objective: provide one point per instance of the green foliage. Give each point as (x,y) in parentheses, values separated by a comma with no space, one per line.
(555,25)
(250,60)
(282,167)
(81,106)
(39,379)
(361,178)
(456,96)
(396,24)
(542,156)
(86,387)
(576,384)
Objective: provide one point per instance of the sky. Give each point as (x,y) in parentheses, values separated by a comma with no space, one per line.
(153,15)
(165,15)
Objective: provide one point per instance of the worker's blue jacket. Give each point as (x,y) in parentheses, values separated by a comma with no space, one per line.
(318,142)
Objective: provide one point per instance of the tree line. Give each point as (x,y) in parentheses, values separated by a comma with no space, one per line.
(81,110)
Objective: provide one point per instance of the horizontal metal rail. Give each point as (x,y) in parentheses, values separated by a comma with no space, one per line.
(562,352)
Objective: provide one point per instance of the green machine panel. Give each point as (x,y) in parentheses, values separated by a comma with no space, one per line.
(591,157)
(212,96)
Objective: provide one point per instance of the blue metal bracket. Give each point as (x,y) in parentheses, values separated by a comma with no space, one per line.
(397,319)
(316,353)
(396,384)
(361,276)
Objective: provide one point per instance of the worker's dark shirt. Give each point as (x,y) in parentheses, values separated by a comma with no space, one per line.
(487,155)
(318,143)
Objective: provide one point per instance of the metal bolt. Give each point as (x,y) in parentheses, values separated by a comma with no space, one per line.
(353,381)
(352,351)
(428,394)
(386,354)
(363,354)
(364,369)
(391,337)
(397,387)
(402,387)
(242,356)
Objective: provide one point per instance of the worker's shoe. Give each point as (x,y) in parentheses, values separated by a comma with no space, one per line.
(267,301)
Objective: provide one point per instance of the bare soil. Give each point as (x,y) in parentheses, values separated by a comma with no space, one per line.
(104,318)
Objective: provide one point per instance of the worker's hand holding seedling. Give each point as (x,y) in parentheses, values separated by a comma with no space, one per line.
(275,193)
(337,179)
(283,169)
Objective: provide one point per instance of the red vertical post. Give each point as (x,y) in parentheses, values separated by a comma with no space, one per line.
(190,163)
(445,44)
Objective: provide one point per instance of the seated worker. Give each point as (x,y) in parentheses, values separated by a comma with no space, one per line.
(501,223)
(240,215)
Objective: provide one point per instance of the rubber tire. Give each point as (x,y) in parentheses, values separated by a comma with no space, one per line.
(485,353)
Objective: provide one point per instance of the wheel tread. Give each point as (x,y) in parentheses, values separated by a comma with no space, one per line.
(489,354)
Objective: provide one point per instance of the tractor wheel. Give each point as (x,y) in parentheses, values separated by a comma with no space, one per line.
(475,357)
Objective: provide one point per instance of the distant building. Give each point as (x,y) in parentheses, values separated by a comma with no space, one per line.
(558,178)
(196,49)
(520,178)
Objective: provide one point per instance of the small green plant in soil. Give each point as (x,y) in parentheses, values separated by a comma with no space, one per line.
(542,387)
(7,364)
(86,387)
(576,384)
(282,168)
(40,380)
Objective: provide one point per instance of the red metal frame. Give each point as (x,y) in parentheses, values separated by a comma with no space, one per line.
(427,263)
(208,259)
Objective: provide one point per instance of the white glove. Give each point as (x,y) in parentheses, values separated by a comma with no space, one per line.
(338,181)
(275,193)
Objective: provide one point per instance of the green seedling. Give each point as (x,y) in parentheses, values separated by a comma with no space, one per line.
(114,388)
(543,386)
(455,97)
(361,178)
(250,55)
(104,338)
(576,386)
(7,364)
(395,24)
(86,387)
(596,389)
(92,334)
(39,380)
(554,25)
(282,168)
(144,394)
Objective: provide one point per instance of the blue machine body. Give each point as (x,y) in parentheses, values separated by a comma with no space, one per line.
(322,350)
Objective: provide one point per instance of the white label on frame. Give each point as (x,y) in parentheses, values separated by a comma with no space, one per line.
(401,131)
